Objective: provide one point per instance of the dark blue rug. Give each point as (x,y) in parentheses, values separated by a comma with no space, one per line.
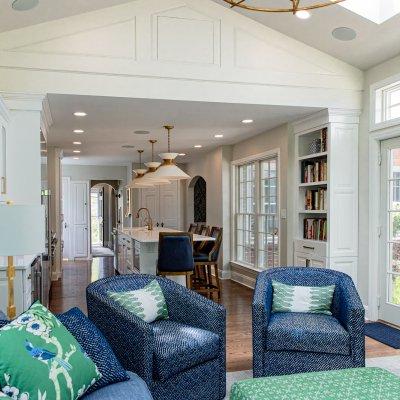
(383,333)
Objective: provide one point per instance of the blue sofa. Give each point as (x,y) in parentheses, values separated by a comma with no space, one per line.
(179,358)
(287,343)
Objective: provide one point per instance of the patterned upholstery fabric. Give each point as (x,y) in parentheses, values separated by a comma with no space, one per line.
(133,389)
(134,341)
(192,346)
(301,332)
(346,307)
(95,346)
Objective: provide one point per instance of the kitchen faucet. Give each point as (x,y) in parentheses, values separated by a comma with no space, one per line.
(148,221)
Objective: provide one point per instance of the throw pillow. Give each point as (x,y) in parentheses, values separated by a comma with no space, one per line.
(303,299)
(95,345)
(40,359)
(148,303)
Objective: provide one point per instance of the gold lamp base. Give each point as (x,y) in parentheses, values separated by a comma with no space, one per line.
(11,311)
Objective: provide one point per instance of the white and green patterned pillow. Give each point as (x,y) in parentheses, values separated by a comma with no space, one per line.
(41,360)
(148,303)
(303,299)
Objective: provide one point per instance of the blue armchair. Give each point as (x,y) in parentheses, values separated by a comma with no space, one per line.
(179,358)
(286,343)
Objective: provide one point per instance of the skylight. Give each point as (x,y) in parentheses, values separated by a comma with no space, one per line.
(377,11)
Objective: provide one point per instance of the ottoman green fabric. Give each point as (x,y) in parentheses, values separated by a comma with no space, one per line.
(345,384)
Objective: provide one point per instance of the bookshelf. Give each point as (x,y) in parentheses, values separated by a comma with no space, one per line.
(326,191)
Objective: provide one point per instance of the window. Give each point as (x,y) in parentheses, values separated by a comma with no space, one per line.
(256,216)
(387,103)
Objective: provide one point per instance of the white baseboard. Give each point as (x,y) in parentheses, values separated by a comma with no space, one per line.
(243,279)
(224,274)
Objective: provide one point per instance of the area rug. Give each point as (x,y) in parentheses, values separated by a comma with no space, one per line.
(383,333)
(392,364)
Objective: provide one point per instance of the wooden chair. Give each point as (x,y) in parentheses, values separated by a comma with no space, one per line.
(205,260)
(192,228)
(175,255)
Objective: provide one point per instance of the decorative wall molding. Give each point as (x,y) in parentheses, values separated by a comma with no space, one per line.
(23,101)
(4,113)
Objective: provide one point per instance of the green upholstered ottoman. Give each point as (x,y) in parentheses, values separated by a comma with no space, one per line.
(345,384)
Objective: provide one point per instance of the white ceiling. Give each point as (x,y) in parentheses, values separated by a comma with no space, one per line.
(110,123)
(373,45)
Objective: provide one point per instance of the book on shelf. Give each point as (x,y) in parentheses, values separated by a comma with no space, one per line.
(314,171)
(316,199)
(315,229)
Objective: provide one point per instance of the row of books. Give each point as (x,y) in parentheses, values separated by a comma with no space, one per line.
(314,171)
(315,229)
(316,199)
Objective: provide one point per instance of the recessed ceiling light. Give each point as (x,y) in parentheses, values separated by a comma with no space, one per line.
(303,14)
(247,121)
(80,114)
(128,146)
(182,154)
(79,131)
(198,146)
(76,151)
(219,136)
(344,34)
(76,142)
(24,5)
(76,158)
(141,132)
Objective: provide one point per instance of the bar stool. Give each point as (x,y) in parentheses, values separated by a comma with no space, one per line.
(175,255)
(206,259)
(192,228)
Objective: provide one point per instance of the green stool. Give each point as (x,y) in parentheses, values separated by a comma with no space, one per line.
(345,384)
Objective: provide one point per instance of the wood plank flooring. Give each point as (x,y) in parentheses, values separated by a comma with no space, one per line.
(70,292)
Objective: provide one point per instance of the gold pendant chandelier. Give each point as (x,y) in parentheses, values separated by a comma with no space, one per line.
(294,7)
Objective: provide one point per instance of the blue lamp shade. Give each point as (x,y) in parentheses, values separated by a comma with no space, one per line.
(22,230)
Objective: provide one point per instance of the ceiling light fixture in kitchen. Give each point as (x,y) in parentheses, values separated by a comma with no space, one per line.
(139,182)
(153,166)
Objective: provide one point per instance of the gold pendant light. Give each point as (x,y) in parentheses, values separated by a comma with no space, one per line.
(168,169)
(153,166)
(293,7)
(139,181)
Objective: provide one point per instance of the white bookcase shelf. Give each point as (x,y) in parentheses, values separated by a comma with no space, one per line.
(336,194)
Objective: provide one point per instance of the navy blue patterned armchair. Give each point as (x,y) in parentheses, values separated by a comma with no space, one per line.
(179,358)
(287,343)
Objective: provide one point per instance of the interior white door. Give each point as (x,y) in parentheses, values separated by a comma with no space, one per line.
(79,214)
(65,210)
(168,199)
(389,304)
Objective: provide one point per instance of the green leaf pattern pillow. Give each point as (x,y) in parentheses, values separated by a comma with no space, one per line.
(303,299)
(41,360)
(148,303)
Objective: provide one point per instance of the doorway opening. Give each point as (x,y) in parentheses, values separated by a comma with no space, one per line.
(103,218)
(197,200)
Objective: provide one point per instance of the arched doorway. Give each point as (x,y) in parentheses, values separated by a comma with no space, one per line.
(103,217)
(197,200)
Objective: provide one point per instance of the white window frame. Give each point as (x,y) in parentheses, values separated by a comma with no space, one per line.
(234,202)
(378,104)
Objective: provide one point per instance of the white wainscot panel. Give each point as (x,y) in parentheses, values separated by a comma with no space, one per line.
(184,35)
(112,41)
(346,265)
(255,53)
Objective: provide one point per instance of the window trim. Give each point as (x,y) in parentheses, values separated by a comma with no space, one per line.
(234,201)
(374,126)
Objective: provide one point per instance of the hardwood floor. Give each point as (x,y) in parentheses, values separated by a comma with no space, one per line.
(70,292)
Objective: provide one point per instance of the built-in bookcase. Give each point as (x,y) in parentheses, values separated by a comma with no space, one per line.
(326,191)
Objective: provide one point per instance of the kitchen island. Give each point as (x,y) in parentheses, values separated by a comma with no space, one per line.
(137,250)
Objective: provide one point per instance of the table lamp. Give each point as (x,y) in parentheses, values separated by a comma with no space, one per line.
(22,232)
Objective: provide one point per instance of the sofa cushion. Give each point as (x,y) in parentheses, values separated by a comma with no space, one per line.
(307,332)
(179,347)
(133,389)
(95,345)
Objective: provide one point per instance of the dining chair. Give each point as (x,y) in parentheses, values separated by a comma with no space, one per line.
(175,255)
(205,260)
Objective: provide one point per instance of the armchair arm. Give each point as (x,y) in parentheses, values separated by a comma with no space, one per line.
(349,310)
(191,308)
(131,339)
(261,312)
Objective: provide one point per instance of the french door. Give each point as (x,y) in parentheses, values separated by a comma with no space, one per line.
(389,271)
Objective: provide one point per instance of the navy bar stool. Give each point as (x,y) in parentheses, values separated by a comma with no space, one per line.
(175,255)
(192,228)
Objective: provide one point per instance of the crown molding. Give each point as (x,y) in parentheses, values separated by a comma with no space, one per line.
(23,101)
